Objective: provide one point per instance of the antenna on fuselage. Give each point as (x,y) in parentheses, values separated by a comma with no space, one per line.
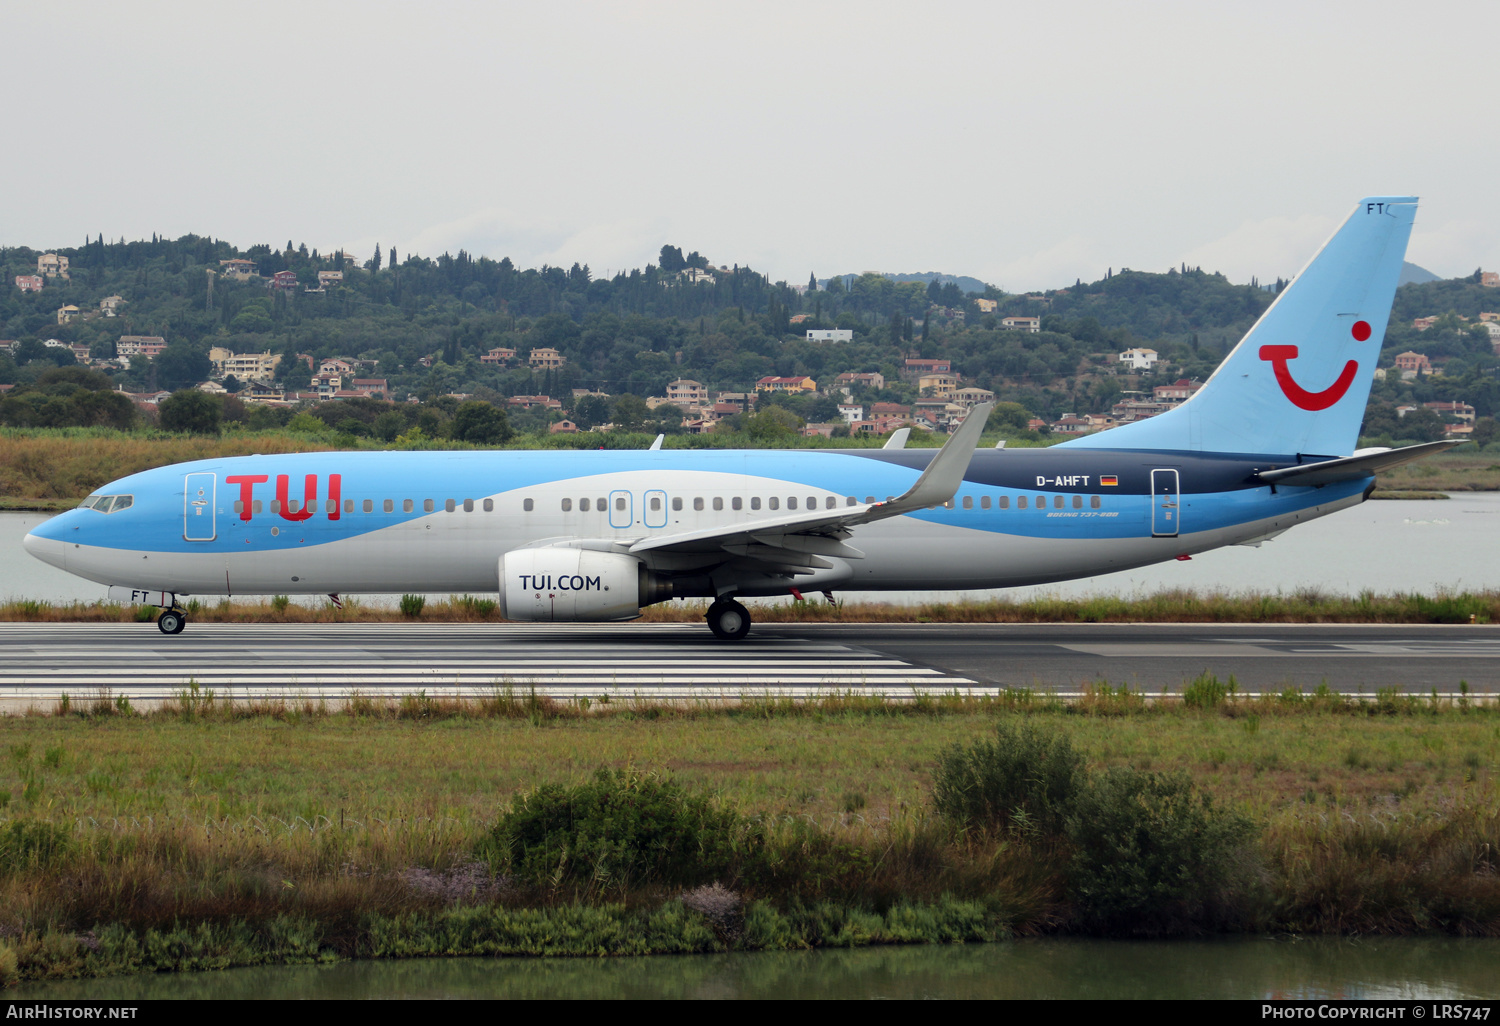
(657,444)
(1000,444)
(898,439)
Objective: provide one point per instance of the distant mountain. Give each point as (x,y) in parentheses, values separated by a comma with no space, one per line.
(1411,274)
(963,281)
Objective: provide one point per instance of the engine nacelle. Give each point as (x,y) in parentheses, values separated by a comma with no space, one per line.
(575,584)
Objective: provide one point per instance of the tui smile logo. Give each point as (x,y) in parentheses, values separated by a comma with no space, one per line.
(1278,356)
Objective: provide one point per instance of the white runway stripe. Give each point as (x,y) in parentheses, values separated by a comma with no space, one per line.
(331,660)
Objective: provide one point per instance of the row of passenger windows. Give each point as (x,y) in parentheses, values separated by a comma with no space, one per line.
(368,505)
(654,503)
(829,502)
(110,504)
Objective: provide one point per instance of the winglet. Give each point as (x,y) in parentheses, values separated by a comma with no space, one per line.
(657,444)
(898,439)
(943,476)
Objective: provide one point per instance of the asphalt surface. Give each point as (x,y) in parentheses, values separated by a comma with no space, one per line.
(45,660)
(1349,658)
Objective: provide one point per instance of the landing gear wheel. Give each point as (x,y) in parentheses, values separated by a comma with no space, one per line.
(729,620)
(171,621)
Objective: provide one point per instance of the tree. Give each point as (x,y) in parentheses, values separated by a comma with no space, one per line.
(480,423)
(232,384)
(73,377)
(1012,416)
(1420,425)
(772,424)
(254,316)
(1484,430)
(671,259)
(191,411)
(812,283)
(181,365)
(375,260)
(388,425)
(630,411)
(29,349)
(591,410)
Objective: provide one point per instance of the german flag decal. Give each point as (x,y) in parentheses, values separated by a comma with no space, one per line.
(1109,481)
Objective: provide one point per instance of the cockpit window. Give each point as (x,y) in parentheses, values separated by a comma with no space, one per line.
(107,503)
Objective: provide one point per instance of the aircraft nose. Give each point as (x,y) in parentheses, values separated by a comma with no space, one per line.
(48,550)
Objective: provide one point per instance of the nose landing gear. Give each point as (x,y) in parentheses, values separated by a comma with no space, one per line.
(729,620)
(171,621)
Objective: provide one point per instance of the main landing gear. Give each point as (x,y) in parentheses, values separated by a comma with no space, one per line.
(171,621)
(729,620)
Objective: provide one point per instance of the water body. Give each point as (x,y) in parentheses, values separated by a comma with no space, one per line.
(1419,545)
(1253,968)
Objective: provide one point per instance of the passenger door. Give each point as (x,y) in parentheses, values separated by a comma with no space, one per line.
(655,512)
(198,520)
(1165,504)
(621,509)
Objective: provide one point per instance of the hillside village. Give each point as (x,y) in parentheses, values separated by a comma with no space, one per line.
(681,347)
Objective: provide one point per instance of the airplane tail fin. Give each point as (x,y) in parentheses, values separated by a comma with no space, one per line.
(1299,380)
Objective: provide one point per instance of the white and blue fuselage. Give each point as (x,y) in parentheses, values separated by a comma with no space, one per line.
(441,521)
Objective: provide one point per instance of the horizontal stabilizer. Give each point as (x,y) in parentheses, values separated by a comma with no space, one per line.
(1351,468)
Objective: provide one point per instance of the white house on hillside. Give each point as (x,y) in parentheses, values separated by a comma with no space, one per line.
(1139,359)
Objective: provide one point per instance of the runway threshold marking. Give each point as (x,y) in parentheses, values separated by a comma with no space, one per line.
(319,660)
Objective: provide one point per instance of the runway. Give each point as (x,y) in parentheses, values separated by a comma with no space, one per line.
(40,662)
(1350,658)
(284,660)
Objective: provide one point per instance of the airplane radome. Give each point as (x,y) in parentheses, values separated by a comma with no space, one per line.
(1266,444)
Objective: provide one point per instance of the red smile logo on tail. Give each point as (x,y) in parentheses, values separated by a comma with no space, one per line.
(1277,357)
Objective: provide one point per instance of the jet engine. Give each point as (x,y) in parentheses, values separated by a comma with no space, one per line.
(576,584)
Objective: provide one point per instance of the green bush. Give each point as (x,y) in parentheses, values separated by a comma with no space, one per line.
(1208,691)
(472,605)
(1024,779)
(412,605)
(1151,855)
(32,844)
(621,827)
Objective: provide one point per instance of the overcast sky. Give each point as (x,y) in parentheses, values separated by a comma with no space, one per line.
(1026,144)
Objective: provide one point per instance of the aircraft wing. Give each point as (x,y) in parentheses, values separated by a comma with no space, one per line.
(1351,467)
(797,542)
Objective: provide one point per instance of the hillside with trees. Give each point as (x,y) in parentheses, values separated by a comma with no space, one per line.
(423,324)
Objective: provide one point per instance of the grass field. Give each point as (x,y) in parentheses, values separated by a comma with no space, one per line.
(1461,470)
(210,834)
(1170,606)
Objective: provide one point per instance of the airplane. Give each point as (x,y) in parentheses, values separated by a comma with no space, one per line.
(1267,443)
